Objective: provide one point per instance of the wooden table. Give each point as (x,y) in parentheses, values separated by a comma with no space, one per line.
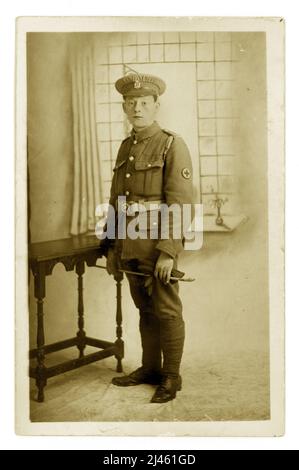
(74,253)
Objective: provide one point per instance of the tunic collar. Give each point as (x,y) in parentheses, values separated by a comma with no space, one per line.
(145,133)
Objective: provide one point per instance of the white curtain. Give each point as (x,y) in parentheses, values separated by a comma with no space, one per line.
(87,191)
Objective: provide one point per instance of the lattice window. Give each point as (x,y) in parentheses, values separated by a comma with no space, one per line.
(214,55)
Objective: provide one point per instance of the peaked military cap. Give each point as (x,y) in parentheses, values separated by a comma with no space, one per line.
(136,84)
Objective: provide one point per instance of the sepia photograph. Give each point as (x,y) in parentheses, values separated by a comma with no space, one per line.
(149,188)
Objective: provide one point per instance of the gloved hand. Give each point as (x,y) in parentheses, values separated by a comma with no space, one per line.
(148,284)
(112,262)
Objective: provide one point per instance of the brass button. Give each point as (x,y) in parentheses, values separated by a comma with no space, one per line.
(134,142)
(127,193)
(128,175)
(131,158)
(149,165)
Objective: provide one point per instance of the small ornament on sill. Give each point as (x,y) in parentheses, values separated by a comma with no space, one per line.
(217,203)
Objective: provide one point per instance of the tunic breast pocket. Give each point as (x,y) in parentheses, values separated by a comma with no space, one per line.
(149,177)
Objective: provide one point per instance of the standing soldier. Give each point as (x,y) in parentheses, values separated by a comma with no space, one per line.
(153,167)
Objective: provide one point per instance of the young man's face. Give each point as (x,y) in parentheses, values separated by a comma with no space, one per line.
(141,110)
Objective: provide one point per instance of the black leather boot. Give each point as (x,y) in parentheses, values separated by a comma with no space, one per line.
(167,389)
(139,376)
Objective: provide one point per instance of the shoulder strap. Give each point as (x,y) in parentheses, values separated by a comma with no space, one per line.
(167,146)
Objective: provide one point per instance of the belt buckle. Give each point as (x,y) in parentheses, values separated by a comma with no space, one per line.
(124,207)
(132,208)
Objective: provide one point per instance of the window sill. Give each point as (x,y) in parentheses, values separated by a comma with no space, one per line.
(230,223)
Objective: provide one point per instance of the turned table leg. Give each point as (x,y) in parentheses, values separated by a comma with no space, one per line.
(119,342)
(81,335)
(39,293)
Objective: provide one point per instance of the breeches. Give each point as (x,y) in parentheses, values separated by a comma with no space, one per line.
(161,323)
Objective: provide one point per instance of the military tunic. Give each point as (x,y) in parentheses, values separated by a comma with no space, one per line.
(147,170)
(143,173)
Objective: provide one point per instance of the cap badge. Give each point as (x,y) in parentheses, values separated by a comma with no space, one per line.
(137,84)
(186,173)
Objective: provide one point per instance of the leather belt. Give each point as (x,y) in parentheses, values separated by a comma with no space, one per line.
(131,207)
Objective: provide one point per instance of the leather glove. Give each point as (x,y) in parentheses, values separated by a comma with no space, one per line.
(148,284)
(112,262)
